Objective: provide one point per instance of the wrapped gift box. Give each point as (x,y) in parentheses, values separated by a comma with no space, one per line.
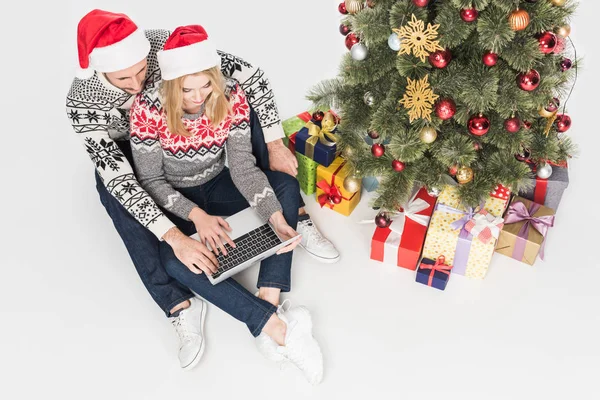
(548,192)
(307,173)
(434,273)
(370,183)
(448,234)
(330,187)
(401,243)
(525,229)
(319,149)
(292,142)
(294,124)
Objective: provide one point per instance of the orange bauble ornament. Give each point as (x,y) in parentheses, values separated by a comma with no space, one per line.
(518,20)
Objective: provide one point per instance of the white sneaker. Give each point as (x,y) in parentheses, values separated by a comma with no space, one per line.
(189,325)
(315,244)
(268,348)
(301,348)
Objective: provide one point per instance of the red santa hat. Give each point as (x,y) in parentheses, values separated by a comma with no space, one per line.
(188,50)
(109,42)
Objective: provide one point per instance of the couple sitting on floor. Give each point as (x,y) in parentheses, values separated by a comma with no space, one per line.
(182,116)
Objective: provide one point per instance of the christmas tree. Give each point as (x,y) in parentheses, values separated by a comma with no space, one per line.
(462,90)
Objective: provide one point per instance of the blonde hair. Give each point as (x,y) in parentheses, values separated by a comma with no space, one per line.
(216,105)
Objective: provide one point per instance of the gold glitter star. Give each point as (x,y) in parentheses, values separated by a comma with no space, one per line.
(419,99)
(418,40)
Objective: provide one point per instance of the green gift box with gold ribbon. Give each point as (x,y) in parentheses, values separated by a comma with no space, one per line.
(307,173)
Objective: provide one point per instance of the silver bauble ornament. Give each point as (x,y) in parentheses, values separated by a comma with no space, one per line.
(434,191)
(544,171)
(369,99)
(394,42)
(352,184)
(359,52)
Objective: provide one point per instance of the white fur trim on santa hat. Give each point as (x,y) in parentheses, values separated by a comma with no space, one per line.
(188,59)
(84,73)
(121,55)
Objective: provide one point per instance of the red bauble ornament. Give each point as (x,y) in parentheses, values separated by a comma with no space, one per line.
(512,125)
(563,122)
(523,155)
(351,40)
(382,220)
(548,42)
(377,150)
(344,29)
(469,14)
(490,59)
(479,125)
(453,169)
(318,116)
(336,199)
(529,80)
(398,165)
(440,59)
(420,3)
(565,64)
(342,8)
(527,124)
(373,134)
(445,109)
(553,105)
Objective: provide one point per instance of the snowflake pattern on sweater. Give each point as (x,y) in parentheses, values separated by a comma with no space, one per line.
(99,115)
(166,161)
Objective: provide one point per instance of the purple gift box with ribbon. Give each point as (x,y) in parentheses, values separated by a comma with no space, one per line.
(525,230)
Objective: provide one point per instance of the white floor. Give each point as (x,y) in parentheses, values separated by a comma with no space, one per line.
(76,322)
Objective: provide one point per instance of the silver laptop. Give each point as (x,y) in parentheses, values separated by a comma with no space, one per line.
(255,240)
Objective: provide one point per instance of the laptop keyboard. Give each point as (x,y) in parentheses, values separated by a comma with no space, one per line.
(247,247)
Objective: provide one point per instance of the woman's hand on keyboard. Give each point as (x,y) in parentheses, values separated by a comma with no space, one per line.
(212,230)
(284,231)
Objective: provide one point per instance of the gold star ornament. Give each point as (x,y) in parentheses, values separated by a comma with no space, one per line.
(419,99)
(418,40)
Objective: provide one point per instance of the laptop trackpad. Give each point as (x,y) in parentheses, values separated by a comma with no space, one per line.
(243,222)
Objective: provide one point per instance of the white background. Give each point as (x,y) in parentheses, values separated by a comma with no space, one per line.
(78,324)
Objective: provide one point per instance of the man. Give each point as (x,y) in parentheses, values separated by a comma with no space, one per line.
(118,61)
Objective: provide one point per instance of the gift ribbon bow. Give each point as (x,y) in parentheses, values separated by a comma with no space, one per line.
(467,215)
(485,226)
(330,192)
(440,265)
(518,212)
(409,210)
(323,134)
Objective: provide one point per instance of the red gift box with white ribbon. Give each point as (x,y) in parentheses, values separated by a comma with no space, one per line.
(401,243)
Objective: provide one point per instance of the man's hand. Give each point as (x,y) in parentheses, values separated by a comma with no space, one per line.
(281,158)
(193,254)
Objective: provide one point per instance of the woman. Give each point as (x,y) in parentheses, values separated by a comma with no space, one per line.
(180,137)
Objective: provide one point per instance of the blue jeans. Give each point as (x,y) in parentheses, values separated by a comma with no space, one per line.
(143,246)
(219,196)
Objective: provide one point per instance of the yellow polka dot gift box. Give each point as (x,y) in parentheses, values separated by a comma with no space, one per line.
(466,237)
